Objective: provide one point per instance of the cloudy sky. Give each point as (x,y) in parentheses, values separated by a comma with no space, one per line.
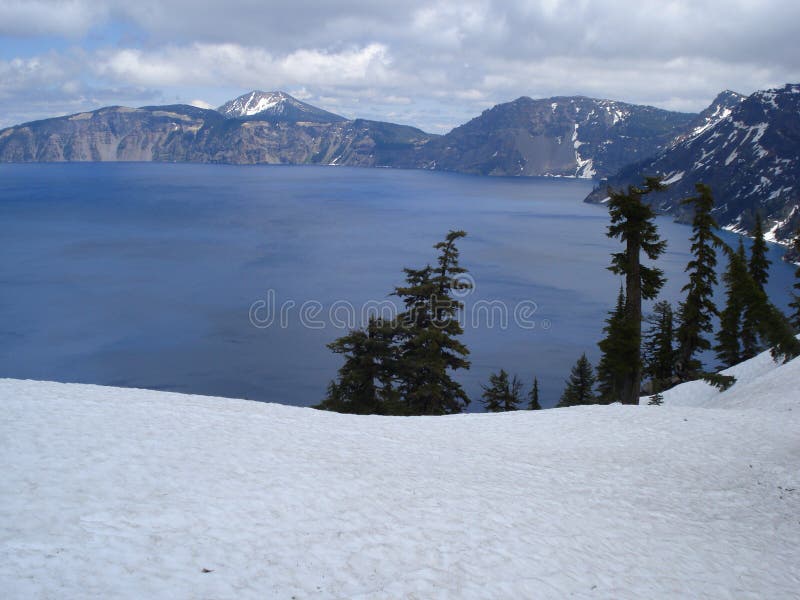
(430,63)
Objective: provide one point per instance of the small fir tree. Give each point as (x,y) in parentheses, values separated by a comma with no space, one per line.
(580,385)
(729,348)
(617,354)
(719,381)
(656,399)
(658,351)
(502,394)
(533,396)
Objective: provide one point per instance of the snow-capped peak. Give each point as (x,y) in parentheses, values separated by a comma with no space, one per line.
(274,104)
(253,103)
(719,109)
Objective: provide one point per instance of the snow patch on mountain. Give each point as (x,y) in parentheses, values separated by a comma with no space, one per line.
(772,234)
(673,177)
(585,168)
(615,110)
(201,104)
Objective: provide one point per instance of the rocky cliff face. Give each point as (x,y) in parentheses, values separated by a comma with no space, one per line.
(564,137)
(109,134)
(184,133)
(750,157)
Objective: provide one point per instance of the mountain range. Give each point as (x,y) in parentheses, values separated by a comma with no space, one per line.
(746,148)
(749,155)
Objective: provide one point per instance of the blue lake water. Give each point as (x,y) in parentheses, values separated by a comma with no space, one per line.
(144,275)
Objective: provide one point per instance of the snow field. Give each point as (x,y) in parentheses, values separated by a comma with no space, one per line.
(123,493)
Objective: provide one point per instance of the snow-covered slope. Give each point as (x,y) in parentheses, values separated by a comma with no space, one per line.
(118,493)
(761,383)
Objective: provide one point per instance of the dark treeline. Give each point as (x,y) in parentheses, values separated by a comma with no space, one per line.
(405,366)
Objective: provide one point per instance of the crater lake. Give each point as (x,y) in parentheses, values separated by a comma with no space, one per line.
(164,276)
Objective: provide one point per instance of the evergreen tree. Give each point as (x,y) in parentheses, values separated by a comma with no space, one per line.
(428,331)
(763,321)
(502,394)
(729,348)
(794,318)
(656,399)
(658,351)
(758,270)
(633,223)
(759,263)
(697,311)
(753,304)
(533,396)
(580,385)
(779,334)
(364,383)
(617,356)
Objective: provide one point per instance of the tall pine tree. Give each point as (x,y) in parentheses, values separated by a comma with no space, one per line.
(429,348)
(633,223)
(697,311)
(658,350)
(533,396)
(580,385)
(729,347)
(502,394)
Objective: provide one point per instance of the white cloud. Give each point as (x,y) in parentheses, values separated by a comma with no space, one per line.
(433,61)
(55,84)
(233,64)
(71,18)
